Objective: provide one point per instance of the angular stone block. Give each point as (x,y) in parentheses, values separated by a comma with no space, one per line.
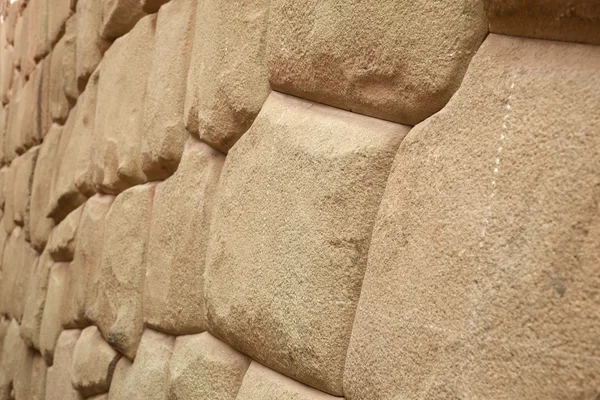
(69,68)
(227,80)
(51,326)
(22,187)
(303,174)
(59,104)
(182,208)
(33,117)
(484,259)
(573,21)
(90,45)
(61,245)
(22,375)
(118,309)
(396,60)
(58,382)
(117,386)
(39,43)
(12,349)
(165,132)
(6,72)
(11,21)
(119,124)
(119,17)
(8,220)
(39,369)
(94,362)
(58,13)
(21,39)
(4,325)
(203,367)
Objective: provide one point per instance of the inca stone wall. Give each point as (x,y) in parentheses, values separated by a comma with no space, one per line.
(303,200)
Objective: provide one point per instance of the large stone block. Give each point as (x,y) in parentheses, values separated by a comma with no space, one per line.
(90,45)
(181,213)
(484,259)
(203,367)
(227,80)
(8,185)
(574,21)
(38,41)
(118,308)
(69,68)
(58,382)
(51,326)
(94,363)
(11,21)
(4,325)
(118,390)
(58,13)
(59,104)
(165,132)
(11,350)
(296,204)
(33,117)
(396,60)
(119,17)
(61,245)
(6,72)
(22,41)
(119,124)
(39,369)
(22,186)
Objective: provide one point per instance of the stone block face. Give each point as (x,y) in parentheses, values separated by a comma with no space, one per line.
(51,326)
(227,80)
(119,17)
(203,367)
(59,104)
(94,362)
(13,347)
(90,45)
(11,22)
(33,116)
(118,309)
(165,132)
(304,173)
(502,299)
(61,245)
(181,213)
(119,125)
(4,325)
(58,13)
(39,369)
(58,384)
(69,68)
(261,383)
(21,41)
(22,185)
(39,41)
(8,191)
(399,61)
(6,72)
(118,390)
(574,21)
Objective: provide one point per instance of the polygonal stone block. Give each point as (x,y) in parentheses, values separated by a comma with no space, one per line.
(37,390)
(119,17)
(59,104)
(51,326)
(90,45)
(58,378)
(69,68)
(61,245)
(12,348)
(117,386)
(58,13)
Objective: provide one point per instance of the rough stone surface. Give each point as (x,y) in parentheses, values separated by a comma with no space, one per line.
(59,104)
(6,72)
(119,17)
(33,115)
(90,45)
(8,191)
(62,241)
(4,325)
(70,60)
(39,370)
(183,204)
(58,380)
(152,6)
(304,173)
(118,390)
(11,350)
(58,13)
(574,21)
(203,367)
(51,326)
(22,189)
(120,124)
(396,60)
(94,362)
(38,39)
(22,375)
(502,301)
(118,309)
(227,80)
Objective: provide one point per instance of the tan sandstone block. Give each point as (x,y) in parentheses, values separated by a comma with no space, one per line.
(22,187)
(39,43)
(62,241)
(51,326)
(396,60)
(3,133)
(181,213)
(39,369)
(23,367)
(12,349)
(303,174)
(165,132)
(119,17)
(227,79)
(119,124)
(118,390)
(261,383)
(11,21)
(6,72)
(90,45)
(21,39)
(94,362)
(58,14)
(484,259)
(574,21)
(8,183)
(69,68)
(203,367)
(118,309)
(59,104)
(58,380)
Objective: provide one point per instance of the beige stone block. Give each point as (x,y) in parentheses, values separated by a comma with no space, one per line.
(4,325)
(118,389)
(6,73)
(13,347)
(59,104)
(90,45)
(261,383)
(119,124)
(8,220)
(39,43)
(165,132)
(51,326)
(11,21)
(119,17)
(227,80)
(484,259)
(39,369)
(573,21)
(69,68)
(94,363)
(303,174)
(61,245)
(3,132)
(22,186)
(203,367)
(27,33)
(181,213)
(118,309)
(33,117)
(21,38)
(58,382)
(22,376)
(396,60)
(58,14)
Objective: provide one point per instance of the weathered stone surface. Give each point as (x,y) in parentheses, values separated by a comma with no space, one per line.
(94,362)
(22,42)
(58,382)
(51,327)
(22,375)
(304,173)
(69,67)
(22,186)
(11,22)
(6,72)
(484,259)
(100,396)
(165,132)
(90,45)
(3,133)
(58,13)
(39,369)
(59,104)
(203,367)
(33,117)
(62,241)
(4,325)
(174,282)
(118,390)
(152,6)
(120,123)
(227,80)
(11,350)
(8,220)
(574,21)
(119,17)
(261,383)
(399,61)
(118,309)
(38,41)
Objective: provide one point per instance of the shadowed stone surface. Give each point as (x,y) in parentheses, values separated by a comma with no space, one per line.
(119,17)
(59,104)
(11,351)
(62,241)
(39,370)
(70,59)
(90,45)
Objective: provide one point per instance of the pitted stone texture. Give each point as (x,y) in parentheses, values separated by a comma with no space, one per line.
(165,132)
(118,390)
(59,104)
(396,60)
(94,362)
(69,67)
(58,382)
(304,173)
(118,309)
(22,187)
(227,80)
(485,254)
(51,326)
(203,367)
(12,349)
(183,204)
(39,370)
(573,21)
(120,124)
(261,383)
(58,13)
(90,46)
(62,241)
(119,17)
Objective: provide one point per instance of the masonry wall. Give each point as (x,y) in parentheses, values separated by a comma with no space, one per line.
(308,200)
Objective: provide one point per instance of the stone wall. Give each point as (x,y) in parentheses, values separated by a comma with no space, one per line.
(308,200)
